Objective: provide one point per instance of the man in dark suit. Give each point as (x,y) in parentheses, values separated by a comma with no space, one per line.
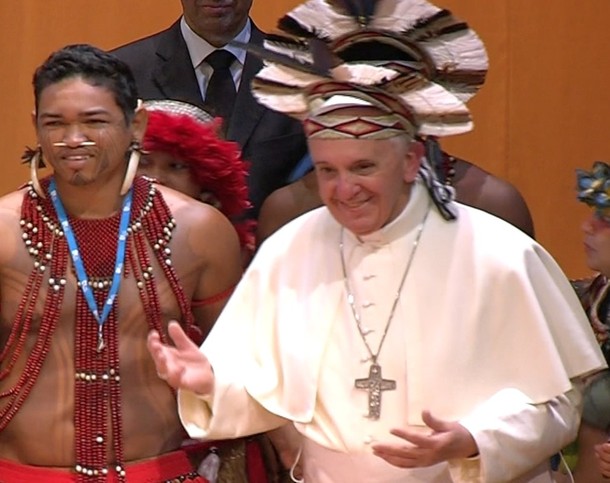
(174,64)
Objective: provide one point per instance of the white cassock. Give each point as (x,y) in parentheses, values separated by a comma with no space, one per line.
(487,332)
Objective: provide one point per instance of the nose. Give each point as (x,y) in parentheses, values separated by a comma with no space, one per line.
(74,136)
(346,186)
(587,226)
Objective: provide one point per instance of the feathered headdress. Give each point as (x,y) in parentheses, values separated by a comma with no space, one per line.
(188,133)
(409,48)
(594,187)
(412,60)
(412,34)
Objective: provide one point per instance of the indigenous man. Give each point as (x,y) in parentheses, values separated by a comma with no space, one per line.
(88,265)
(594,190)
(390,375)
(428,48)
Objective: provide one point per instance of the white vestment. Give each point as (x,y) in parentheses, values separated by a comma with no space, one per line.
(487,332)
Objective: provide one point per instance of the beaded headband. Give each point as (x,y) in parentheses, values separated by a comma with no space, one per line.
(334,117)
(594,187)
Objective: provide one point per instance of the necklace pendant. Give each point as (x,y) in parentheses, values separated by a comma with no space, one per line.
(375,384)
(101,345)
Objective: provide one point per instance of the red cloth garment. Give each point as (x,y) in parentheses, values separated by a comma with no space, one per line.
(161,469)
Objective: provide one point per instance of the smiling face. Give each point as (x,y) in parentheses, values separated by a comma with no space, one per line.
(72,112)
(597,243)
(216,21)
(364,183)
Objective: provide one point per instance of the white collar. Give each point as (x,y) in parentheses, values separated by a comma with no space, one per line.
(200,48)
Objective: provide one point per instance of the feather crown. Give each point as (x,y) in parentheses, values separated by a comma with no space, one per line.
(413,51)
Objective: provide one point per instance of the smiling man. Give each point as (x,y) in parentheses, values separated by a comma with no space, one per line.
(390,327)
(192,61)
(88,265)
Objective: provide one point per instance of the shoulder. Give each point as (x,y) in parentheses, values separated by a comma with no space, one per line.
(191,212)
(480,189)
(492,239)
(284,205)
(10,223)
(308,231)
(139,51)
(10,204)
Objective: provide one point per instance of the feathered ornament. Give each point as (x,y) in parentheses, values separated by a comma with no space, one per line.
(441,46)
(361,10)
(412,60)
(594,187)
(29,154)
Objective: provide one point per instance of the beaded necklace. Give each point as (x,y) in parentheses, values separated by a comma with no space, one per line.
(81,273)
(97,375)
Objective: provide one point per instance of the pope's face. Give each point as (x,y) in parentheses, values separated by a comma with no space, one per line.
(82,132)
(597,243)
(364,183)
(216,21)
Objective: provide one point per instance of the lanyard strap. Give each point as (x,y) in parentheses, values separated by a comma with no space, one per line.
(81,274)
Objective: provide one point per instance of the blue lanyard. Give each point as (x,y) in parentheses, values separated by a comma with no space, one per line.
(81,275)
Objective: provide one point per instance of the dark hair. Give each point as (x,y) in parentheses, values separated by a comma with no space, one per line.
(93,65)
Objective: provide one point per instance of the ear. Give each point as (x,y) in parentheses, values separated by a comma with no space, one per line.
(138,123)
(412,161)
(34,119)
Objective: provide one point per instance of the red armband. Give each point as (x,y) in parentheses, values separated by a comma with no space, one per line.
(213,299)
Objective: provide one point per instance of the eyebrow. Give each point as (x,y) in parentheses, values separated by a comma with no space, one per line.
(90,113)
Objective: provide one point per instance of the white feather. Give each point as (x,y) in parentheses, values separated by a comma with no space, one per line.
(363,74)
(285,49)
(439,112)
(319,16)
(461,50)
(294,105)
(401,15)
(285,75)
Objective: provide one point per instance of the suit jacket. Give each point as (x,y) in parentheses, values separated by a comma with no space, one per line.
(273,143)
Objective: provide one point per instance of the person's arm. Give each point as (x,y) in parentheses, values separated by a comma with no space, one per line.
(215,242)
(513,435)
(203,393)
(501,439)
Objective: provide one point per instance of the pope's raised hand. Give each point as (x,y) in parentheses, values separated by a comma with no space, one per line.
(182,365)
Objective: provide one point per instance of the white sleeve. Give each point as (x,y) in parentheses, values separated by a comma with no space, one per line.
(514,435)
(229,413)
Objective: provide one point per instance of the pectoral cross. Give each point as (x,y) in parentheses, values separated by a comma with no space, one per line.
(375,384)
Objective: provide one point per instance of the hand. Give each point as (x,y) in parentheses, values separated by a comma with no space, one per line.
(446,441)
(602,452)
(182,366)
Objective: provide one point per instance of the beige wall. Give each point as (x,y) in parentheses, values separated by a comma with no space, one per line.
(542,113)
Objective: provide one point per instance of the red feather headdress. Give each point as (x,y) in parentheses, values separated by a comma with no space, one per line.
(189,134)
